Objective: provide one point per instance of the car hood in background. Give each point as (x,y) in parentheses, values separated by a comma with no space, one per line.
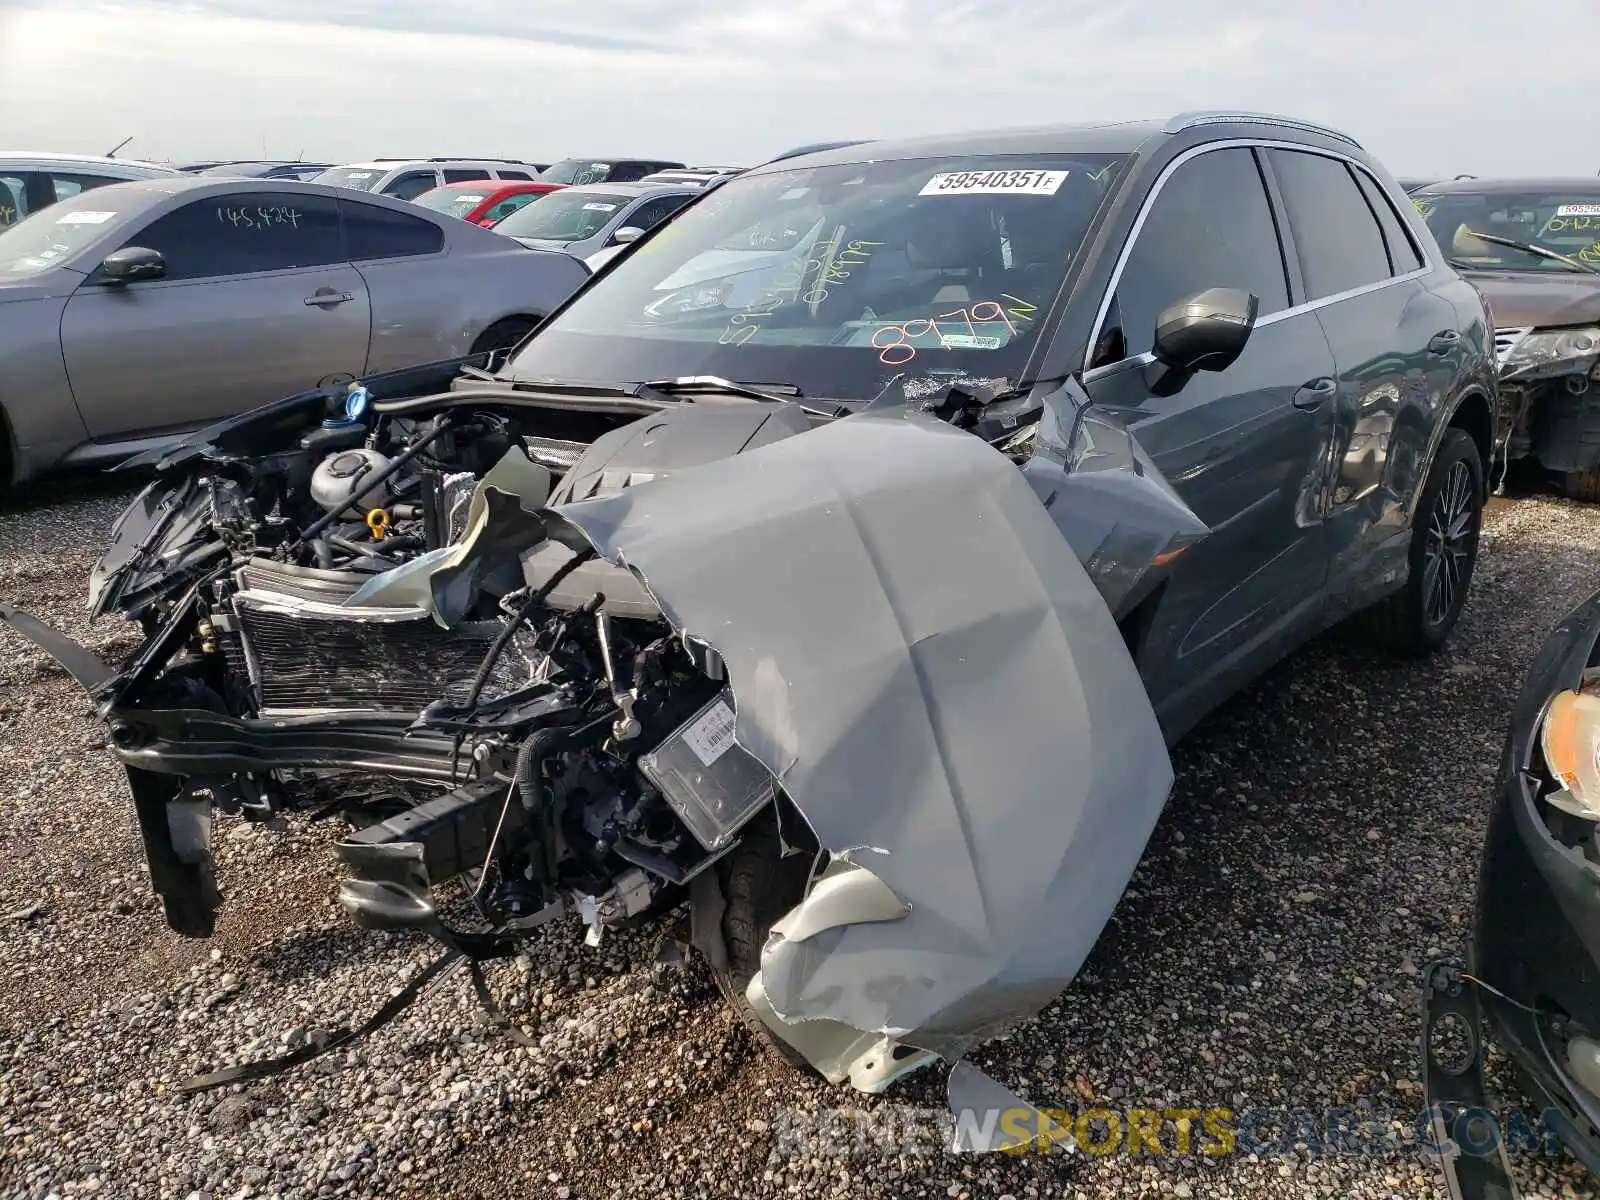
(1532,299)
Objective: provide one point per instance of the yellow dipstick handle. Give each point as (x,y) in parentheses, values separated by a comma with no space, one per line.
(378,522)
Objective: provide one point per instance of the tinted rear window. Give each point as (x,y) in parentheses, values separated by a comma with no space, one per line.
(373,232)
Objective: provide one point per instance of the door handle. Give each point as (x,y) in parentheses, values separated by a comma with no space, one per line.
(327,298)
(1312,395)
(1444,341)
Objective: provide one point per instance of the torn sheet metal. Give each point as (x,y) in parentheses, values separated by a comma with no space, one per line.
(1109,500)
(502,521)
(990,1117)
(918,656)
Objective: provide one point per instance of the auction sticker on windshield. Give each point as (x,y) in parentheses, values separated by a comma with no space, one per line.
(1578,210)
(994,183)
(597,207)
(85,218)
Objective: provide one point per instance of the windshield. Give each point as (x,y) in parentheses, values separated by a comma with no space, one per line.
(453,202)
(835,279)
(360,179)
(575,171)
(563,216)
(1566,221)
(56,234)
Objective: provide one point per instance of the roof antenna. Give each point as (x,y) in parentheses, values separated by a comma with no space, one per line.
(112,153)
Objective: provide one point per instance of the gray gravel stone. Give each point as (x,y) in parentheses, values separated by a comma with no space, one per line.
(1356,783)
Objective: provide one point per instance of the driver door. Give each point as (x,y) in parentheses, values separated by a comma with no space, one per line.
(257,303)
(1246,447)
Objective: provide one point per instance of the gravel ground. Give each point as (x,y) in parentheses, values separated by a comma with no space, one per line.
(1319,848)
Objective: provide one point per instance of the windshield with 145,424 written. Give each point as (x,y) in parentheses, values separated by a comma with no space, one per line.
(835,279)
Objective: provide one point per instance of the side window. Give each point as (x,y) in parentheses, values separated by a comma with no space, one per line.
(373,232)
(627,173)
(464,176)
(1403,255)
(13,199)
(1209,226)
(244,234)
(506,173)
(66,185)
(1337,237)
(411,185)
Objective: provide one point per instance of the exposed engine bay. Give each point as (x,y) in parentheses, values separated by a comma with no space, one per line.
(578,651)
(541,733)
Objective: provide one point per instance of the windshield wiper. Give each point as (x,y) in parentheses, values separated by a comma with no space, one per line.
(768,393)
(716,384)
(1534,249)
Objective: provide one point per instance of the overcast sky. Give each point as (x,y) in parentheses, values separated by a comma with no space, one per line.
(1420,82)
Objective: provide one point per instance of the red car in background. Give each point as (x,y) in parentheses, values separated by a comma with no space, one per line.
(484,201)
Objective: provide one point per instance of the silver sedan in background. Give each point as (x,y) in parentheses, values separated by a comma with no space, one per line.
(585,220)
(140,311)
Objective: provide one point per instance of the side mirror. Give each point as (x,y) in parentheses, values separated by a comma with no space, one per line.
(628,233)
(133,264)
(1206,331)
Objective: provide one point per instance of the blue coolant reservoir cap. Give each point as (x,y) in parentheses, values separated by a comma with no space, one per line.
(355,404)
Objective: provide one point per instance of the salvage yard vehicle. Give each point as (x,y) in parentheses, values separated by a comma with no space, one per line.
(141,311)
(582,221)
(857,615)
(1532,247)
(576,172)
(484,202)
(31,181)
(1532,976)
(408,178)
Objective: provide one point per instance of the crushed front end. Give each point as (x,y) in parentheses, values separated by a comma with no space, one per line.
(1550,397)
(849,686)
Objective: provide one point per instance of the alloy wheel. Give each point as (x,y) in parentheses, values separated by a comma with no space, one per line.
(1447,549)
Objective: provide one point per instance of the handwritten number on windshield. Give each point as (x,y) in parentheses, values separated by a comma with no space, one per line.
(894,342)
(259,218)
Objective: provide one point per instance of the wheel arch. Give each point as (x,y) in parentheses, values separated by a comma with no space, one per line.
(1473,414)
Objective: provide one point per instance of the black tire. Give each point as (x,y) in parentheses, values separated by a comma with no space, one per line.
(503,335)
(1582,485)
(760,885)
(1417,620)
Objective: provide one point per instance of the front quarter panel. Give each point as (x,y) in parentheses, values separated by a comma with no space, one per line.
(42,421)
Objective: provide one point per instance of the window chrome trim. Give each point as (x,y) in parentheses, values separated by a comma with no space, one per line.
(1428,266)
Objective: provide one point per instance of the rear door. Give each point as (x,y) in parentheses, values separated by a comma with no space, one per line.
(1244,447)
(1394,341)
(257,304)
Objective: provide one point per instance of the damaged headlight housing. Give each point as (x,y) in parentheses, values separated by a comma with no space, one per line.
(1547,352)
(1569,739)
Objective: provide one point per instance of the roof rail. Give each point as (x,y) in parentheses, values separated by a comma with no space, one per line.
(1188,120)
(469,158)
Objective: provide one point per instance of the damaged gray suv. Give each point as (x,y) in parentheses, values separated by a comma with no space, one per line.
(837,565)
